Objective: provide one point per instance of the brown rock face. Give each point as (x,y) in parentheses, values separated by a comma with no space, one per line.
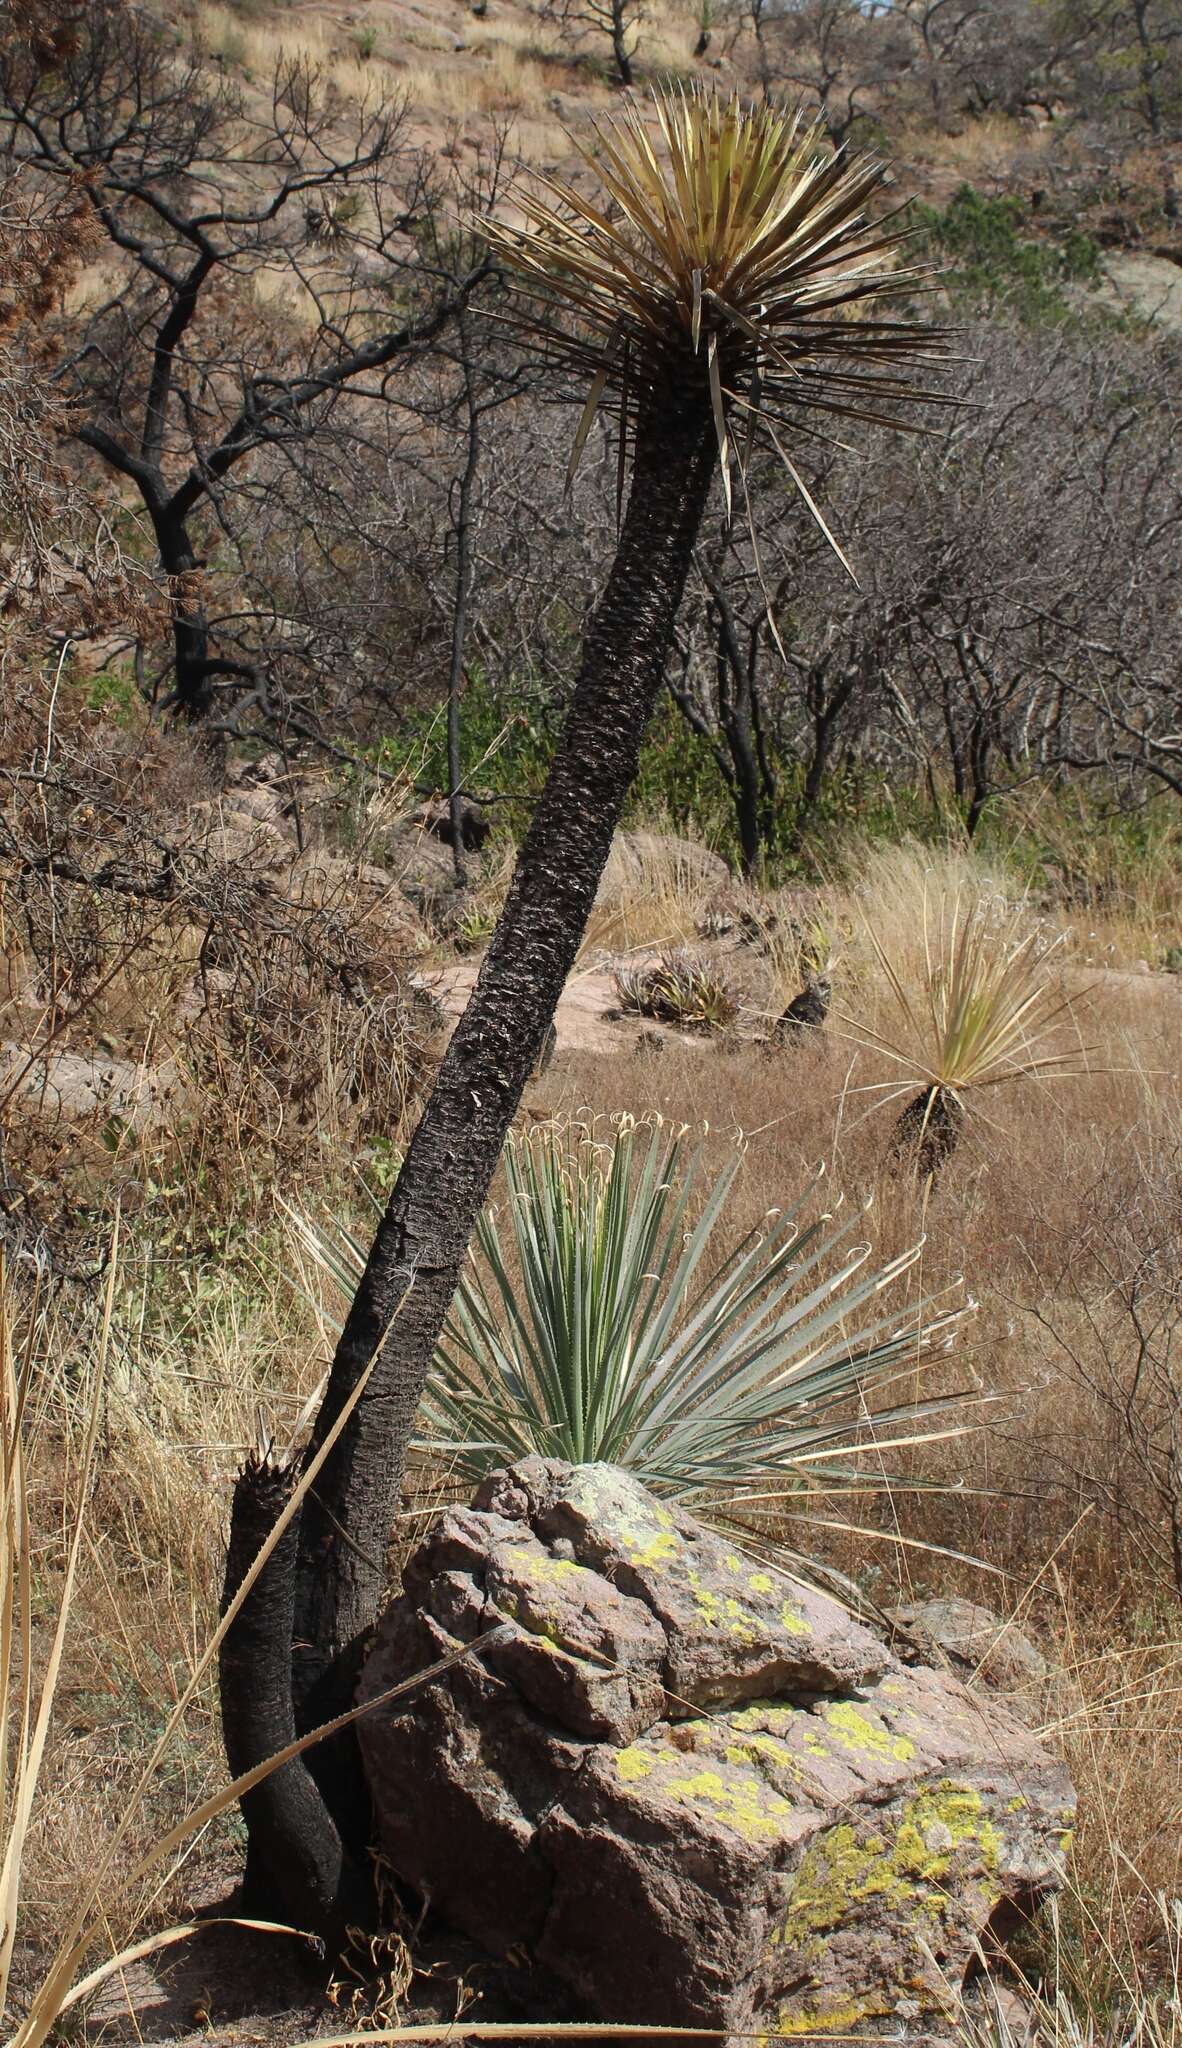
(989,1654)
(692,1790)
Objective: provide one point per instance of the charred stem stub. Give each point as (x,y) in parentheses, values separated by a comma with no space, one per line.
(927,1133)
(806,1012)
(296,1862)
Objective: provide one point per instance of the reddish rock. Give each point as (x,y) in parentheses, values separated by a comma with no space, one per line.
(693,1791)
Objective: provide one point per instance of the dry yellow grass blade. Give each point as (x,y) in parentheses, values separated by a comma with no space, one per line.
(171,1937)
(25,1724)
(498,2030)
(89,1916)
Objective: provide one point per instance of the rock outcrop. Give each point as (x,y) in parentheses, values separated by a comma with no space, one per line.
(75,1086)
(993,1656)
(691,1790)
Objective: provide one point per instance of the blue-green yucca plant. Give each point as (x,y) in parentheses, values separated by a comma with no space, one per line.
(598,1321)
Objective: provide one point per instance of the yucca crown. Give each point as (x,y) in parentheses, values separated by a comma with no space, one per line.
(739,252)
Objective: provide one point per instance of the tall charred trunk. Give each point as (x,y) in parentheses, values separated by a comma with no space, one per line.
(459,617)
(193,690)
(414,1263)
(620,46)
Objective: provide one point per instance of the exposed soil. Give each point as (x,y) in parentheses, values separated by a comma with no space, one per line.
(588,1018)
(245,1989)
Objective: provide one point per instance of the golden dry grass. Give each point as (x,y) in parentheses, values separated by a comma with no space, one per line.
(257,46)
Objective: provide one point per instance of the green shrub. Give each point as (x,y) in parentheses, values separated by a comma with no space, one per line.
(979,243)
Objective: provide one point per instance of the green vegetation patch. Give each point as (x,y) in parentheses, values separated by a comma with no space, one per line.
(986,255)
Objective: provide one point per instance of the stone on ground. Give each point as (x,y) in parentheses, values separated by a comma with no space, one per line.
(687,1789)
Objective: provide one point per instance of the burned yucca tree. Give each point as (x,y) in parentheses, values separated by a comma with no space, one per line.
(731,287)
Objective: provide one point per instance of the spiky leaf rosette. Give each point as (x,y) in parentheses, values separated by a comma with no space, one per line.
(985,1010)
(740,256)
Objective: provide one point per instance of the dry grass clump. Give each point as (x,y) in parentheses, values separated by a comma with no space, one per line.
(655,891)
(105,1657)
(256,46)
(1119,898)
(883,889)
(506,72)
(991,150)
(108,1635)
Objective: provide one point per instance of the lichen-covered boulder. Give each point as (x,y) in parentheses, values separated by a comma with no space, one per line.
(689,1789)
(991,1655)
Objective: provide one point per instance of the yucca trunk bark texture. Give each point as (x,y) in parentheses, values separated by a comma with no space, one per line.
(297,1865)
(927,1133)
(414,1263)
(415,1259)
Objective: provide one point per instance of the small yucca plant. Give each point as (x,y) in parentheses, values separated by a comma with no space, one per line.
(600,1320)
(982,1018)
(683,988)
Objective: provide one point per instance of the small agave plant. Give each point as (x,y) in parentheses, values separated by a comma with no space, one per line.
(601,1319)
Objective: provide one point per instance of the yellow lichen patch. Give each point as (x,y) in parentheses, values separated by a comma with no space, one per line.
(844,1868)
(835,1876)
(864,1737)
(939,1820)
(651,1553)
(548,1570)
(632,1764)
(759,1745)
(716,1610)
(760,1582)
(746,1804)
(739,1621)
(792,1620)
(706,1602)
(841,2016)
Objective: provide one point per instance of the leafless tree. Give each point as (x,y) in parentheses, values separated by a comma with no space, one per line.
(1014,619)
(177,378)
(843,58)
(1127,70)
(61,568)
(620,21)
(1114,1331)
